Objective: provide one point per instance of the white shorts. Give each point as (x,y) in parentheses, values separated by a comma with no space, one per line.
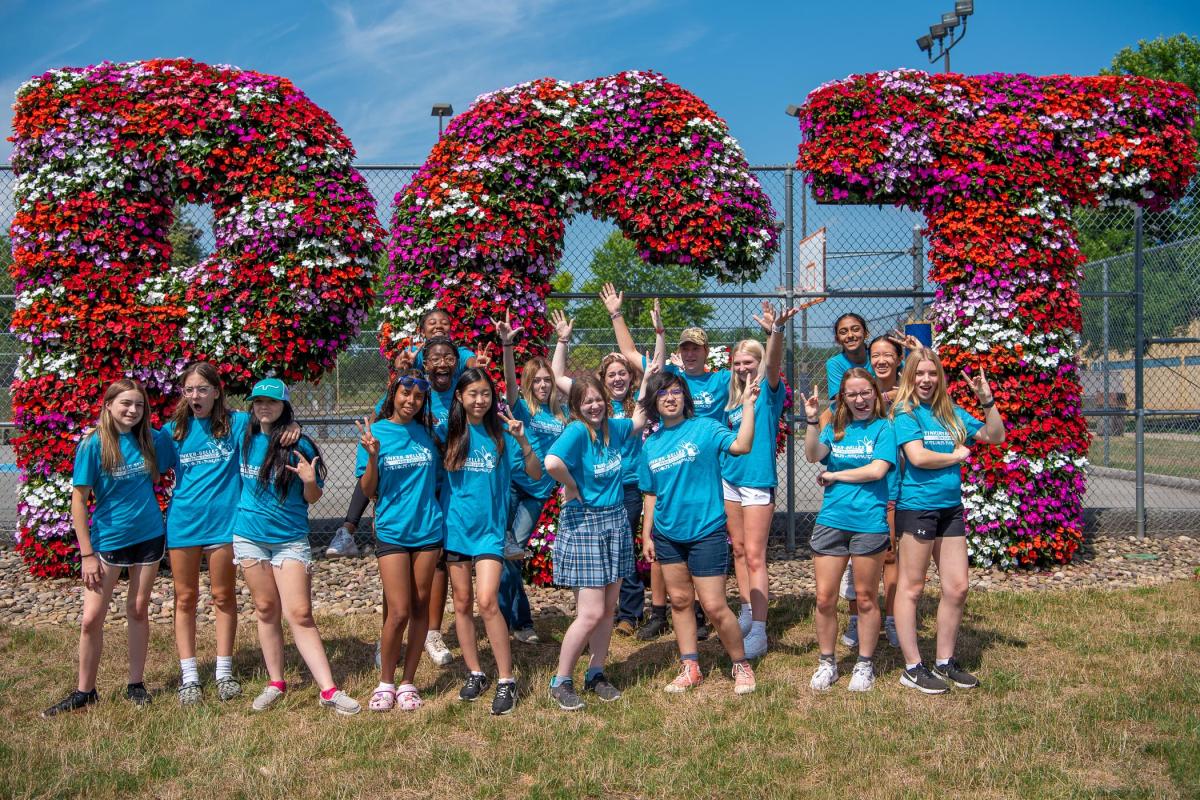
(747,495)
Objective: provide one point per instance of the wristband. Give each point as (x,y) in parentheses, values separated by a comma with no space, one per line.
(812,421)
(778,328)
(506,344)
(87,555)
(614,314)
(660,331)
(988,404)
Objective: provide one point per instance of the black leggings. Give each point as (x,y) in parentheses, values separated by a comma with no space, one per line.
(358,507)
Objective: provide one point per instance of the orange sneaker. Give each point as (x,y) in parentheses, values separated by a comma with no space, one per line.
(689,676)
(743,678)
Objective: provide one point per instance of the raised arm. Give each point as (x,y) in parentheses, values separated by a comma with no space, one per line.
(992,431)
(563,326)
(533,465)
(660,335)
(507,334)
(613,301)
(639,416)
(369,480)
(745,437)
(814,448)
(774,325)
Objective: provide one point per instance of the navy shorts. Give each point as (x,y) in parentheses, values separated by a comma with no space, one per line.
(140,554)
(706,557)
(930,524)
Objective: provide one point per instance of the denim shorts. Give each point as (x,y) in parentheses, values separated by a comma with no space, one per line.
(706,557)
(245,550)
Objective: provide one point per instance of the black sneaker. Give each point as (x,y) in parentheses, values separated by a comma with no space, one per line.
(72,702)
(475,686)
(701,625)
(506,698)
(599,686)
(563,694)
(951,672)
(921,679)
(136,693)
(654,627)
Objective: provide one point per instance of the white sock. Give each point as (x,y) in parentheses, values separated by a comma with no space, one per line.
(224,667)
(757,627)
(912,666)
(508,680)
(941,662)
(385,687)
(187,666)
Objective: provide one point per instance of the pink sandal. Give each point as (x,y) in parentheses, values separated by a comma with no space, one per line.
(382,700)
(409,698)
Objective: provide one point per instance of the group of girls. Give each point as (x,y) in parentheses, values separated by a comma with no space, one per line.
(891,450)
(243,484)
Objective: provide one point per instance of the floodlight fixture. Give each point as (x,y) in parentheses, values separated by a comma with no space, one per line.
(441,111)
(950,20)
(925,43)
(964,8)
(937,31)
(792,111)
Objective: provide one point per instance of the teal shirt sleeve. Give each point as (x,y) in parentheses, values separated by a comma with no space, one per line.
(969,422)
(164,451)
(645,479)
(885,446)
(87,461)
(568,447)
(907,428)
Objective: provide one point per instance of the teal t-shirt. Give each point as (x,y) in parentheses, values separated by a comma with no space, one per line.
(207,482)
(542,429)
(595,467)
(835,368)
(630,449)
(928,489)
(682,467)
(474,497)
(126,511)
(858,507)
(710,391)
(262,516)
(407,511)
(756,469)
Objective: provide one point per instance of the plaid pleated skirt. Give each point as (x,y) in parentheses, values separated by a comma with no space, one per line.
(593,546)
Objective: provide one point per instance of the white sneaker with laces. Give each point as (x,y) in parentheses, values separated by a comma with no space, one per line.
(435,646)
(863,677)
(850,637)
(825,676)
(343,545)
(266,698)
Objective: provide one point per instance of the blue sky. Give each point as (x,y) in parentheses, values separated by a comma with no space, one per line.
(378,66)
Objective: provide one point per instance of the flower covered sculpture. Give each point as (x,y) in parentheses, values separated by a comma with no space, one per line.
(996,163)
(479,231)
(102,155)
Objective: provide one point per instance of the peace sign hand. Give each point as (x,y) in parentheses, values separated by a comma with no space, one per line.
(305,469)
(656,315)
(812,403)
(366,438)
(483,356)
(979,384)
(750,395)
(515,427)
(905,340)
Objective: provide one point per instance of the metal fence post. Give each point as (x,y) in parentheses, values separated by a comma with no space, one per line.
(1139,359)
(918,256)
(790,282)
(1104,421)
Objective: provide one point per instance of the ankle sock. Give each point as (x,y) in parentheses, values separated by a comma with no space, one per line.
(828,658)
(138,685)
(383,687)
(506,680)
(558,680)
(280,685)
(187,671)
(224,667)
(941,662)
(912,666)
(593,672)
(690,657)
(329,693)
(477,672)
(867,659)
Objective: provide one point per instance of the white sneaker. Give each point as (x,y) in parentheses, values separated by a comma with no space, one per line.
(435,646)
(863,677)
(825,676)
(343,545)
(889,627)
(755,643)
(266,698)
(341,702)
(745,619)
(850,637)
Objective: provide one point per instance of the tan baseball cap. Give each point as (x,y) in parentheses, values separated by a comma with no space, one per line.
(695,336)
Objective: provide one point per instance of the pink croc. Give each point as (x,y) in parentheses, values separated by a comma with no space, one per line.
(382,700)
(409,698)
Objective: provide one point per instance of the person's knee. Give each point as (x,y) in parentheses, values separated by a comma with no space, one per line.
(826,601)
(92,621)
(137,609)
(756,559)
(714,608)
(225,600)
(300,616)
(266,609)
(590,616)
(488,605)
(396,619)
(186,597)
(866,604)
(682,602)
(954,592)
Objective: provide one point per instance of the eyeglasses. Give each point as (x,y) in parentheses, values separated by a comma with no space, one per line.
(198,391)
(670,393)
(447,359)
(408,382)
(859,395)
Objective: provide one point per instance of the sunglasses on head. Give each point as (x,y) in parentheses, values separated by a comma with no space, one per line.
(408,382)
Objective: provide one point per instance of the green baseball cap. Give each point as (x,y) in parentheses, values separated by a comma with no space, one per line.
(273,388)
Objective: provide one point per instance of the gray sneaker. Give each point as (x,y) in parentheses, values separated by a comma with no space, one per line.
(527,636)
(564,694)
(343,545)
(190,694)
(342,703)
(889,627)
(267,698)
(921,679)
(599,686)
(951,672)
(850,637)
(228,688)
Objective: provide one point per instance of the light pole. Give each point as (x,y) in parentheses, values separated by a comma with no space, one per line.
(441,111)
(940,30)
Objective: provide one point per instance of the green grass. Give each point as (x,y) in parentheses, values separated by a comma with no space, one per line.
(1085,694)
(1163,456)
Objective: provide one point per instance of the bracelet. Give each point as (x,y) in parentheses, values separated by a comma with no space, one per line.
(506,344)
(660,331)
(988,404)
(615,314)
(778,328)
(563,341)
(811,421)
(87,555)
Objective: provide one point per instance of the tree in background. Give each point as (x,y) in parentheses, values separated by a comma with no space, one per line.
(1170,274)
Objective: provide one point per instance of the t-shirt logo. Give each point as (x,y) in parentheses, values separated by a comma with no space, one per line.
(420,457)
(217,452)
(703,399)
(610,465)
(480,460)
(687,451)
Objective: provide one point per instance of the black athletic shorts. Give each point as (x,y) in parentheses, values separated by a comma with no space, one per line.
(388,549)
(930,524)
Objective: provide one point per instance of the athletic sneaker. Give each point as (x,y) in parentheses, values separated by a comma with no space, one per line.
(599,686)
(654,627)
(743,678)
(435,646)
(825,676)
(745,619)
(506,698)
(267,698)
(136,693)
(342,703)
(624,628)
(343,545)
(756,643)
(475,685)
(951,672)
(889,627)
(850,637)
(863,677)
(921,679)
(689,676)
(190,694)
(564,694)
(228,688)
(72,702)
(526,636)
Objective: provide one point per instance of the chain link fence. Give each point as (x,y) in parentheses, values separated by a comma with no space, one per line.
(875,267)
